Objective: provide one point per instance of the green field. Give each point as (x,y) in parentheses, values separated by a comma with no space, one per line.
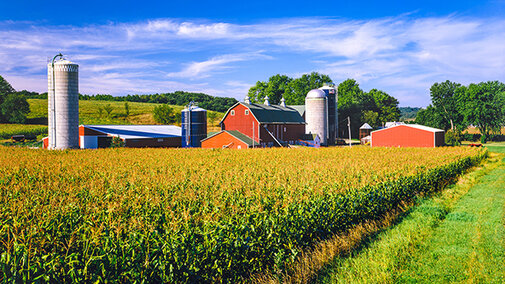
(455,236)
(140,113)
(89,113)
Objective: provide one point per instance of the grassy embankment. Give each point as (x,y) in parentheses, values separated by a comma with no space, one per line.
(454,236)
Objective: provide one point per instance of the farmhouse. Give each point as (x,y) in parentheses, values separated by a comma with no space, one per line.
(264,124)
(407,135)
(100,136)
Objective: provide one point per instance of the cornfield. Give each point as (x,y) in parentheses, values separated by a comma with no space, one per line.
(196,215)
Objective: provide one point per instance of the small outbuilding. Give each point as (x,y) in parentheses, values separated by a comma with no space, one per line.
(408,135)
(364,130)
(228,139)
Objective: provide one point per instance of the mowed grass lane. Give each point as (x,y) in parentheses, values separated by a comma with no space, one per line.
(456,236)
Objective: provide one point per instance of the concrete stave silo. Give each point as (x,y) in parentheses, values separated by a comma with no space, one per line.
(63,104)
(316,114)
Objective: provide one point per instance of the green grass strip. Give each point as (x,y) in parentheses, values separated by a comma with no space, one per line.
(457,235)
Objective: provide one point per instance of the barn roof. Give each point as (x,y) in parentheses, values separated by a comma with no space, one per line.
(137,131)
(299,108)
(271,113)
(417,126)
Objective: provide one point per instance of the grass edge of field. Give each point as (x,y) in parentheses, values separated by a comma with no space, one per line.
(312,263)
(386,247)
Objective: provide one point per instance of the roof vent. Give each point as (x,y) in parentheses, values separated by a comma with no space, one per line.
(267,103)
(283,102)
(247,100)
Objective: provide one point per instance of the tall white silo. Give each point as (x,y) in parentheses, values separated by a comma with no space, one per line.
(63,104)
(316,114)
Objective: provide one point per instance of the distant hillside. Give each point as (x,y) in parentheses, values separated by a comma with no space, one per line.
(93,112)
(408,113)
(180,98)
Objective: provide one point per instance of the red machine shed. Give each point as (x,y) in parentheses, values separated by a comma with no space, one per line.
(408,135)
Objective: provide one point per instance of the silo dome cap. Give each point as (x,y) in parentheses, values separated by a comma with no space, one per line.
(63,62)
(316,93)
(194,108)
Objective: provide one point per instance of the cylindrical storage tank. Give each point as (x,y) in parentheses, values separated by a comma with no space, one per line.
(331,94)
(193,126)
(63,104)
(316,114)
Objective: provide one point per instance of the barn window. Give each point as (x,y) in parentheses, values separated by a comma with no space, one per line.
(160,139)
(239,147)
(246,112)
(284,128)
(232,112)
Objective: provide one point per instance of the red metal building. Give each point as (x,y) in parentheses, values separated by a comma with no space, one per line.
(266,125)
(408,135)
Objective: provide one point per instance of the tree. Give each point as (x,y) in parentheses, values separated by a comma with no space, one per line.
(14,108)
(165,114)
(108,109)
(444,100)
(275,88)
(298,88)
(127,109)
(293,90)
(431,117)
(483,106)
(350,101)
(385,105)
(5,87)
(371,117)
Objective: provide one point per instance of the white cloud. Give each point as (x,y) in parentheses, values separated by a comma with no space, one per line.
(196,70)
(401,55)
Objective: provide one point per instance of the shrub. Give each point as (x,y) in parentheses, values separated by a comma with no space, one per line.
(117,142)
(453,138)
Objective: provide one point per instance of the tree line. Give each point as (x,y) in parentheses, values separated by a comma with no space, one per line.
(455,107)
(374,107)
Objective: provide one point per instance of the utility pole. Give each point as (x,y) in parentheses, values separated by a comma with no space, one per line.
(349,127)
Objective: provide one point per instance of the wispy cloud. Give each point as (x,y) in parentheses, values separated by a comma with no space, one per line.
(402,55)
(203,69)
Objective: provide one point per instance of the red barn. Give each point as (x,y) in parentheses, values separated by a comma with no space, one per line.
(408,135)
(268,125)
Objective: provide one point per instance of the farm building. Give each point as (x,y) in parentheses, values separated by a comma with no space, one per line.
(100,136)
(229,139)
(407,135)
(268,125)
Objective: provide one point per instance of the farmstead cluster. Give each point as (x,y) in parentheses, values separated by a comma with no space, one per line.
(244,125)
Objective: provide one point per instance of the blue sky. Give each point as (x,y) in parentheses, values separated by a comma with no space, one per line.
(223,47)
